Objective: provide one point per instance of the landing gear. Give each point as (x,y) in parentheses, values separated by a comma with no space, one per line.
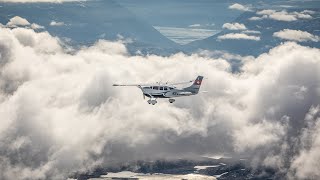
(172,100)
(152,101)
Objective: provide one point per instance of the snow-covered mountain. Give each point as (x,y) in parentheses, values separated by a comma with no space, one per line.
(86,22)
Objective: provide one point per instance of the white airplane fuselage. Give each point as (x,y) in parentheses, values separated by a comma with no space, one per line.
(164,92)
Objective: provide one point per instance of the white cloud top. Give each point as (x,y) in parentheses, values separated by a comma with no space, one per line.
(18,21)
(239,7)
(54,23)
(36,26)
(251,32)
(234,26)
(282,15)
(255,18)
(239,36)
(296,35)
(195,25)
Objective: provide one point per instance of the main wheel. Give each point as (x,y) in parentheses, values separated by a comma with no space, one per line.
(149,101)
(153,102)
(171,100)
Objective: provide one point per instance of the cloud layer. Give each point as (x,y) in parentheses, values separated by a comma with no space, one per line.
(282,15)
(17,21)
(239,36)
(296,35)
(234,26)
(60,114)
(239,7)
(54,23)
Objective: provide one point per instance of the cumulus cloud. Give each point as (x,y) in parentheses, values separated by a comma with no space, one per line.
(296,35)
(36,26)
(239,36)
(305,164)
(17,21)
(60,113)
(255,18)
(282,15)
(207,25)
(234,26)
(54,23)
(251,32)
(195,25)
(239,7)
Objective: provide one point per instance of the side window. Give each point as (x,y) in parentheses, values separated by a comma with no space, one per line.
(165,88)
(161,88)
(155,87)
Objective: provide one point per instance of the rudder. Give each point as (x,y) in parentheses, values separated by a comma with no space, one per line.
(196,85)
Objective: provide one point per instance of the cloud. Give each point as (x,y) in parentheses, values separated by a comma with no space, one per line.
(207,25)
(17,21)
(251,32)
(282,15)
(54,23)
(36,26)
(239,36)
(296,35)
(239,7)
(255,18)
(234,26)
(305,164)
(195,25)
(308,12)
(60,113)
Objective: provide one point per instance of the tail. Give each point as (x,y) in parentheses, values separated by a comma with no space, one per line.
(194,88)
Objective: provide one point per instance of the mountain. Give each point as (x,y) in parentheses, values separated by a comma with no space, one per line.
(182,13)
(223,168)
(266,27)
(85,22)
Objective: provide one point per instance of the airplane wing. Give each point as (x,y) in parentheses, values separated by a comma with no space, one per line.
(156,84)
(125,85)
(138,85)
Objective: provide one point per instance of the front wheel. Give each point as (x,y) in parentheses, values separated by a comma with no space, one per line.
(172,100)
(153,102)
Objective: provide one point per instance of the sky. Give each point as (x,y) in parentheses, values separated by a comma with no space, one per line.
(60,113)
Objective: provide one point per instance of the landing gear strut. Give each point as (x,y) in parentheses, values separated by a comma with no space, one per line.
(172,100)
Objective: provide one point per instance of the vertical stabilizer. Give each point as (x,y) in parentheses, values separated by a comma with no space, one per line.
(194,88)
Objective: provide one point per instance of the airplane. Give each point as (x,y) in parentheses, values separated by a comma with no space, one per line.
(167,90)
